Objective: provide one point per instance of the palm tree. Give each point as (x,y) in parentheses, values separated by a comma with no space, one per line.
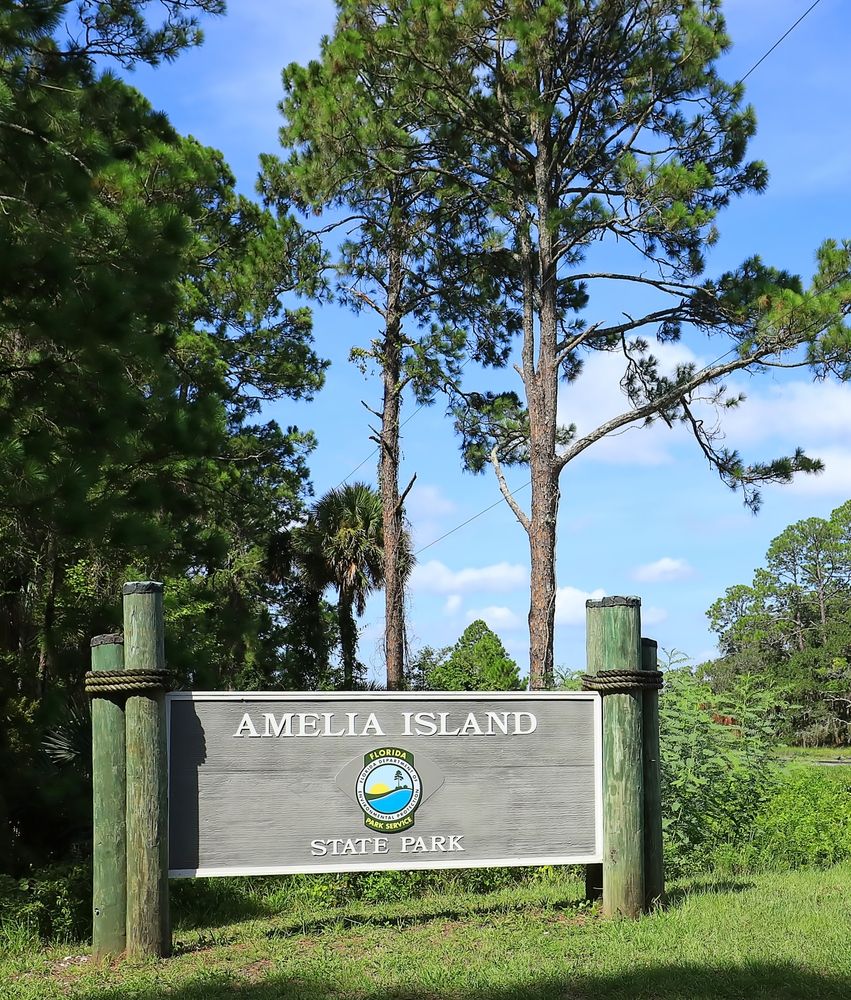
(342,545)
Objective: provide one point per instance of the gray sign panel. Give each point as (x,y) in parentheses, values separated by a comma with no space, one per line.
(274,783)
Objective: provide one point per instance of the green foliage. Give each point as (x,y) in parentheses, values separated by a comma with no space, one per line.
(792,625)
(477,662)
(718,769)
(211,902)
(807,821)
(142,325)
(53,903)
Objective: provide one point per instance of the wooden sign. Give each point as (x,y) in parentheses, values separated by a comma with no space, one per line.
(275,783)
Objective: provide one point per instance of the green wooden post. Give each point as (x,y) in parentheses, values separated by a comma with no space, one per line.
(654,869)
(109,842)
(148,925)
(614,643)
(595,660)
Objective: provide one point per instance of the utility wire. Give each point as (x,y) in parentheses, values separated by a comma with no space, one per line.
(782,38)
(464,524)
(410,416)
(527,484)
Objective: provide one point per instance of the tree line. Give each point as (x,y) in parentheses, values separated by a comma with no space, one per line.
(791,629)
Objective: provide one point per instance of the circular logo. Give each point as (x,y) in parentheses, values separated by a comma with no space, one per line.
(389,789)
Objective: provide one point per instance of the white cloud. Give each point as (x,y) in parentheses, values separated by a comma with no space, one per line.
(653,616)
(663,570)
(453,604)
(834,481)
(428,502)
(436,577)
(800,411)
(496,617)
(570,604)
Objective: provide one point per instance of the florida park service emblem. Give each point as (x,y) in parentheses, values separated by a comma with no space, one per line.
(388,789)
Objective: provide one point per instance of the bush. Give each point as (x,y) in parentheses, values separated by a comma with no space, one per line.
(54,903)
(717,767)
(807,821)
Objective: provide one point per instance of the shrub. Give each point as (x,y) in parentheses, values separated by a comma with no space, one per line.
(717,766)
(807,821)
(55,903)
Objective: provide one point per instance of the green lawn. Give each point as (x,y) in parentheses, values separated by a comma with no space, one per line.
(778,936)
(808,754)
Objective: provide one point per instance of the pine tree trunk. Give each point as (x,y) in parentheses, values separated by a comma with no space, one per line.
(541,378)
(388,482)
(542,548)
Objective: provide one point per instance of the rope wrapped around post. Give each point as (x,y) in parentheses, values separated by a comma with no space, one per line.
(615,681)
(106,682)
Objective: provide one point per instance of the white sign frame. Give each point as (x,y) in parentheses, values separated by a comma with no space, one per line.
(389,696)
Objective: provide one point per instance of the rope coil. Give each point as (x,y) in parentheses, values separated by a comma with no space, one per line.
(106,682)
(614,681)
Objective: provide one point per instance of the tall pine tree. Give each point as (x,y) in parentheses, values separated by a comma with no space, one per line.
(414,253)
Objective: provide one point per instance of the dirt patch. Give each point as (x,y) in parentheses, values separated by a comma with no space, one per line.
(256,971)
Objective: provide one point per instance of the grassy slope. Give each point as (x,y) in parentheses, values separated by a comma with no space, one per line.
(767,937)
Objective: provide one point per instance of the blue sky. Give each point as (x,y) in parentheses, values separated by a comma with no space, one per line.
(641,513)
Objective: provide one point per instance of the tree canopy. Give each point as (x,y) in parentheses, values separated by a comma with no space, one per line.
(791,626)
(142,326)
(575,123)
(477,662)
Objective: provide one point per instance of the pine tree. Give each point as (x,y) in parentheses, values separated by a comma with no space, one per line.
(413,254)
(477,662)
(791,627)
(605,121)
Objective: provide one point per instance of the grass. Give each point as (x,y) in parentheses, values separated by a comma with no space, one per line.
(809,754)
(783,937)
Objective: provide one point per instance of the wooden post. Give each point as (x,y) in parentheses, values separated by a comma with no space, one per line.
(148,925)
(109,842)
(595,660)
(614,643)
(654,869)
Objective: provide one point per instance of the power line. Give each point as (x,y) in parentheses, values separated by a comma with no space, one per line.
(782,38)
(464,524)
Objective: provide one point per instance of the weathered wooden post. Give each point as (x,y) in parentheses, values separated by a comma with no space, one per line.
(109,842)
(654,870)
(148,925)
(613,645)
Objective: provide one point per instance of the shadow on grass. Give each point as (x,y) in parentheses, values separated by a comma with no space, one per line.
(756,981)
(211,903)
(404,916)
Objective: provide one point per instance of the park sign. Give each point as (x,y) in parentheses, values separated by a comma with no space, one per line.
(224,783)
(284,782)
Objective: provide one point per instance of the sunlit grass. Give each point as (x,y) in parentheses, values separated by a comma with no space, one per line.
(774,936)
